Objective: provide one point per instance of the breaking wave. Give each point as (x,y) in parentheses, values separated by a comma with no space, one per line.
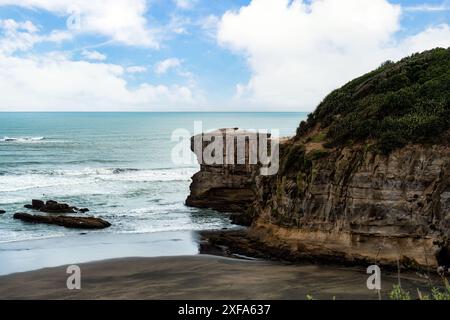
(21,139)
(89,176)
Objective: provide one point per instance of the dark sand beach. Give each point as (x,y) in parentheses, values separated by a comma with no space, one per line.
(200,277)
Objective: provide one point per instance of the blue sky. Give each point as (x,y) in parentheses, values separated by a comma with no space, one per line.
(215,55)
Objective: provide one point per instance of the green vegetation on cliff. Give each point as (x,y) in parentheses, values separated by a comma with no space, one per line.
(396,104)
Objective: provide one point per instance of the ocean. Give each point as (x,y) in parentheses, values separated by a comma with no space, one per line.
(116,164)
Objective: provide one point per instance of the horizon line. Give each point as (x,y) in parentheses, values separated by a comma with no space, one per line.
(155,111)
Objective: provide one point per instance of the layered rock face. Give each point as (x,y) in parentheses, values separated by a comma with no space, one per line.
(347,204)
(225,186)
(354,205)
(222,188)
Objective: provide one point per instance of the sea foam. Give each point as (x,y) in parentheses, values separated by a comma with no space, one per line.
(89,176)
(22,139)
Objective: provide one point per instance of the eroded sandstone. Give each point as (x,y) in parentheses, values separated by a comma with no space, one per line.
(224,187)
(360,205)
(347,204)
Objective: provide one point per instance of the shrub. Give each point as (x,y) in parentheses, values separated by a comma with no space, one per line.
(398,293)
(396,104)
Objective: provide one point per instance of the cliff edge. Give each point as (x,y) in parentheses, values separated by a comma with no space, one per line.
(366,179)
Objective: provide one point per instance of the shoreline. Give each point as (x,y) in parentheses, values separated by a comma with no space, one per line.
(207,272)
(200,277)
(30,255)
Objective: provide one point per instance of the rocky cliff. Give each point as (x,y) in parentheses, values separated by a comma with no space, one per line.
(355,205)
(228,186)
(366,179)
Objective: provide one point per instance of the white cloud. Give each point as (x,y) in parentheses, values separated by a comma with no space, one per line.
(59,36)
(93,55)
(58,83)
(22,36)
(54,81)
(185,4)
(17,36)
(122,21)
(299,51)
(10,25)
(167,64)
(438,36)
(136,69)
(429,7)
(177,25)
(210,25)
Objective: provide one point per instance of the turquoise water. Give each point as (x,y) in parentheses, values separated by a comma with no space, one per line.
(117,164)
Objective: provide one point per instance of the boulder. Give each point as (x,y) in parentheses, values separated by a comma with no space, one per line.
(65,221)
(242,218)
(2,211)
(37,204)
(55,207)
(50,206)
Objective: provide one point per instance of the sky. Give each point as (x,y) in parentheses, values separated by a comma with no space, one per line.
(202,55)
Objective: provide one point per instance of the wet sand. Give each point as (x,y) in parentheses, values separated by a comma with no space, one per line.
(200,277)
(29,255)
